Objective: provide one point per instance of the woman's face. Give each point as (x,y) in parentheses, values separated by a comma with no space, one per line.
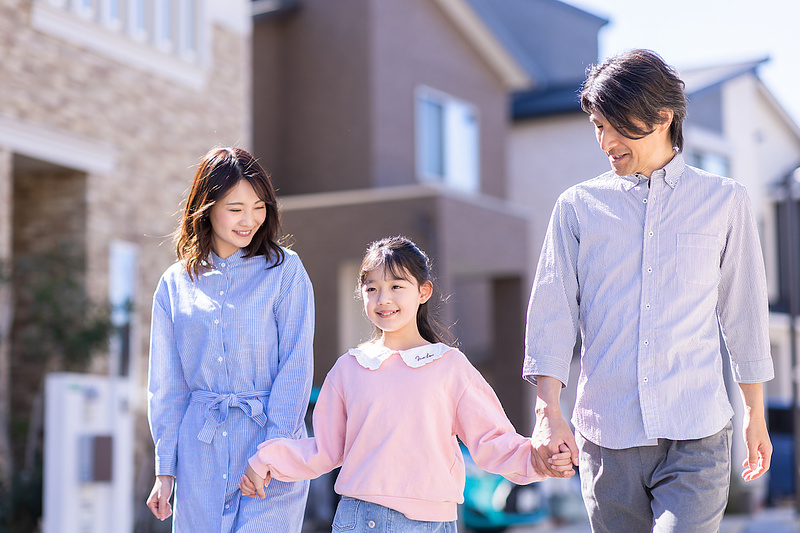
(235,218)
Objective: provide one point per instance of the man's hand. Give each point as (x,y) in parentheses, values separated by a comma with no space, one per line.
(756,437)
(552,433)
(158,501)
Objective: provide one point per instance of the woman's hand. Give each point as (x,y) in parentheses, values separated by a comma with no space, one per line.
(158,501)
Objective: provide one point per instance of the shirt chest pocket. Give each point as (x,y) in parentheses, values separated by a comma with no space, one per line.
(697,258)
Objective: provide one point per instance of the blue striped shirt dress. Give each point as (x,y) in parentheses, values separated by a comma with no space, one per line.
(231,366)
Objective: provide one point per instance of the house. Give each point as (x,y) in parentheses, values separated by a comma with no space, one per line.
(105,108)
(382,118)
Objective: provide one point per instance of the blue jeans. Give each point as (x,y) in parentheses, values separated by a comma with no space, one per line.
(358,516)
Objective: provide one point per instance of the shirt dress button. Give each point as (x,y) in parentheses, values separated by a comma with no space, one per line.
(371,524)
(222,264)
(224,433)
(216,322)
(645,380)
(224,476)
(219,359)
(649,270)
(221,293)
(644,201)
(651,234)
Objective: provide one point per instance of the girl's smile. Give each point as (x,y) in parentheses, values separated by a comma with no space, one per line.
(391,303)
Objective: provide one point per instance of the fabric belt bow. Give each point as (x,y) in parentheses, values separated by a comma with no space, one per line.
(217,405)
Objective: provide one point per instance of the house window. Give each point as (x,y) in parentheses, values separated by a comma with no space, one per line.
(123,261)
(787,225)
(163,23)
(138,18)
(710,162)
(188,31)
(84,8)
(447,140)
(111,14)
(169,38)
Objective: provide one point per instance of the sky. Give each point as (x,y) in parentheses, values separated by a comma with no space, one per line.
(699,33)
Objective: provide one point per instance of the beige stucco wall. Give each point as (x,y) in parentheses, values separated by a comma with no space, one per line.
(415,43)
(546,156)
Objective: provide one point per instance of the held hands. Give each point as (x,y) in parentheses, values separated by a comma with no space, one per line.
(252,484)
(560,462)
(552,437)
(158,501)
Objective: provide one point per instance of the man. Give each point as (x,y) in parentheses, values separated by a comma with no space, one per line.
(648,262)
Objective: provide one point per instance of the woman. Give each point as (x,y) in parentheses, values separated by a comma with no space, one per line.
(230,353)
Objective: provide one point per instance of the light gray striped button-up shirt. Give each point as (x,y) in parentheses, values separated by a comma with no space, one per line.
(647,271)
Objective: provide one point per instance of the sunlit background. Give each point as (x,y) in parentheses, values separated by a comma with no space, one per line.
(454,122)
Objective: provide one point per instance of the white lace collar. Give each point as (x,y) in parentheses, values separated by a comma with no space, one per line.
(372,356)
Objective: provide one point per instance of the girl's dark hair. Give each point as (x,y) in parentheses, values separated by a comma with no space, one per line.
(219,171)
(401,258)
(636,86)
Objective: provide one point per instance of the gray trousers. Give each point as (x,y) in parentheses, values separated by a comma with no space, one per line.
(674,487)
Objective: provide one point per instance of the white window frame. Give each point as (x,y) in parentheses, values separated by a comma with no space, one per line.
(87,12)
(460,141)
(135,9)
(187,29)
(133,42)
(111,21)
(164,27)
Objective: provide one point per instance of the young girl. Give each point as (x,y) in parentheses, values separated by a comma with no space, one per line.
(390,410)
(230,353)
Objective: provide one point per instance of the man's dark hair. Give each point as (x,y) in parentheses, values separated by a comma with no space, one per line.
(634,87)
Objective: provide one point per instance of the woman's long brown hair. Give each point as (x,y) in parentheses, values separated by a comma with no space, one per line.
(219,171)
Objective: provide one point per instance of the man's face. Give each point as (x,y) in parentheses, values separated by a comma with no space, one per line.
(629,156)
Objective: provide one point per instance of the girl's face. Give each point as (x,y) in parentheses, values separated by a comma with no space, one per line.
(391,303)
(235,218)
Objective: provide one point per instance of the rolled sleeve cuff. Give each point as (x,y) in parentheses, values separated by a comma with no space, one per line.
(753,371)
(165,466)
(545,365)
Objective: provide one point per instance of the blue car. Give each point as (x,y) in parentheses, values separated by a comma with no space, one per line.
(492,503)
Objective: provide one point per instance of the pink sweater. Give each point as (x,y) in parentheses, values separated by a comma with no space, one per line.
(393,431)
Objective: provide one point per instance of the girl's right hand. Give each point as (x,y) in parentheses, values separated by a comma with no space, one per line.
(252,484)
(158,501)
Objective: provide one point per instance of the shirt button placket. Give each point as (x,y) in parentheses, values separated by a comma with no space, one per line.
(648,281)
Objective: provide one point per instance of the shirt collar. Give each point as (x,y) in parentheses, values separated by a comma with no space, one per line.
(671,173)
(233,259)
(371,356)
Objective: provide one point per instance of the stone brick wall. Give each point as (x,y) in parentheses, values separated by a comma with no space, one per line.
(159,128)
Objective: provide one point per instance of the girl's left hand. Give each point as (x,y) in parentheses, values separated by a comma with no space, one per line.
(252,484)
(562,462)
